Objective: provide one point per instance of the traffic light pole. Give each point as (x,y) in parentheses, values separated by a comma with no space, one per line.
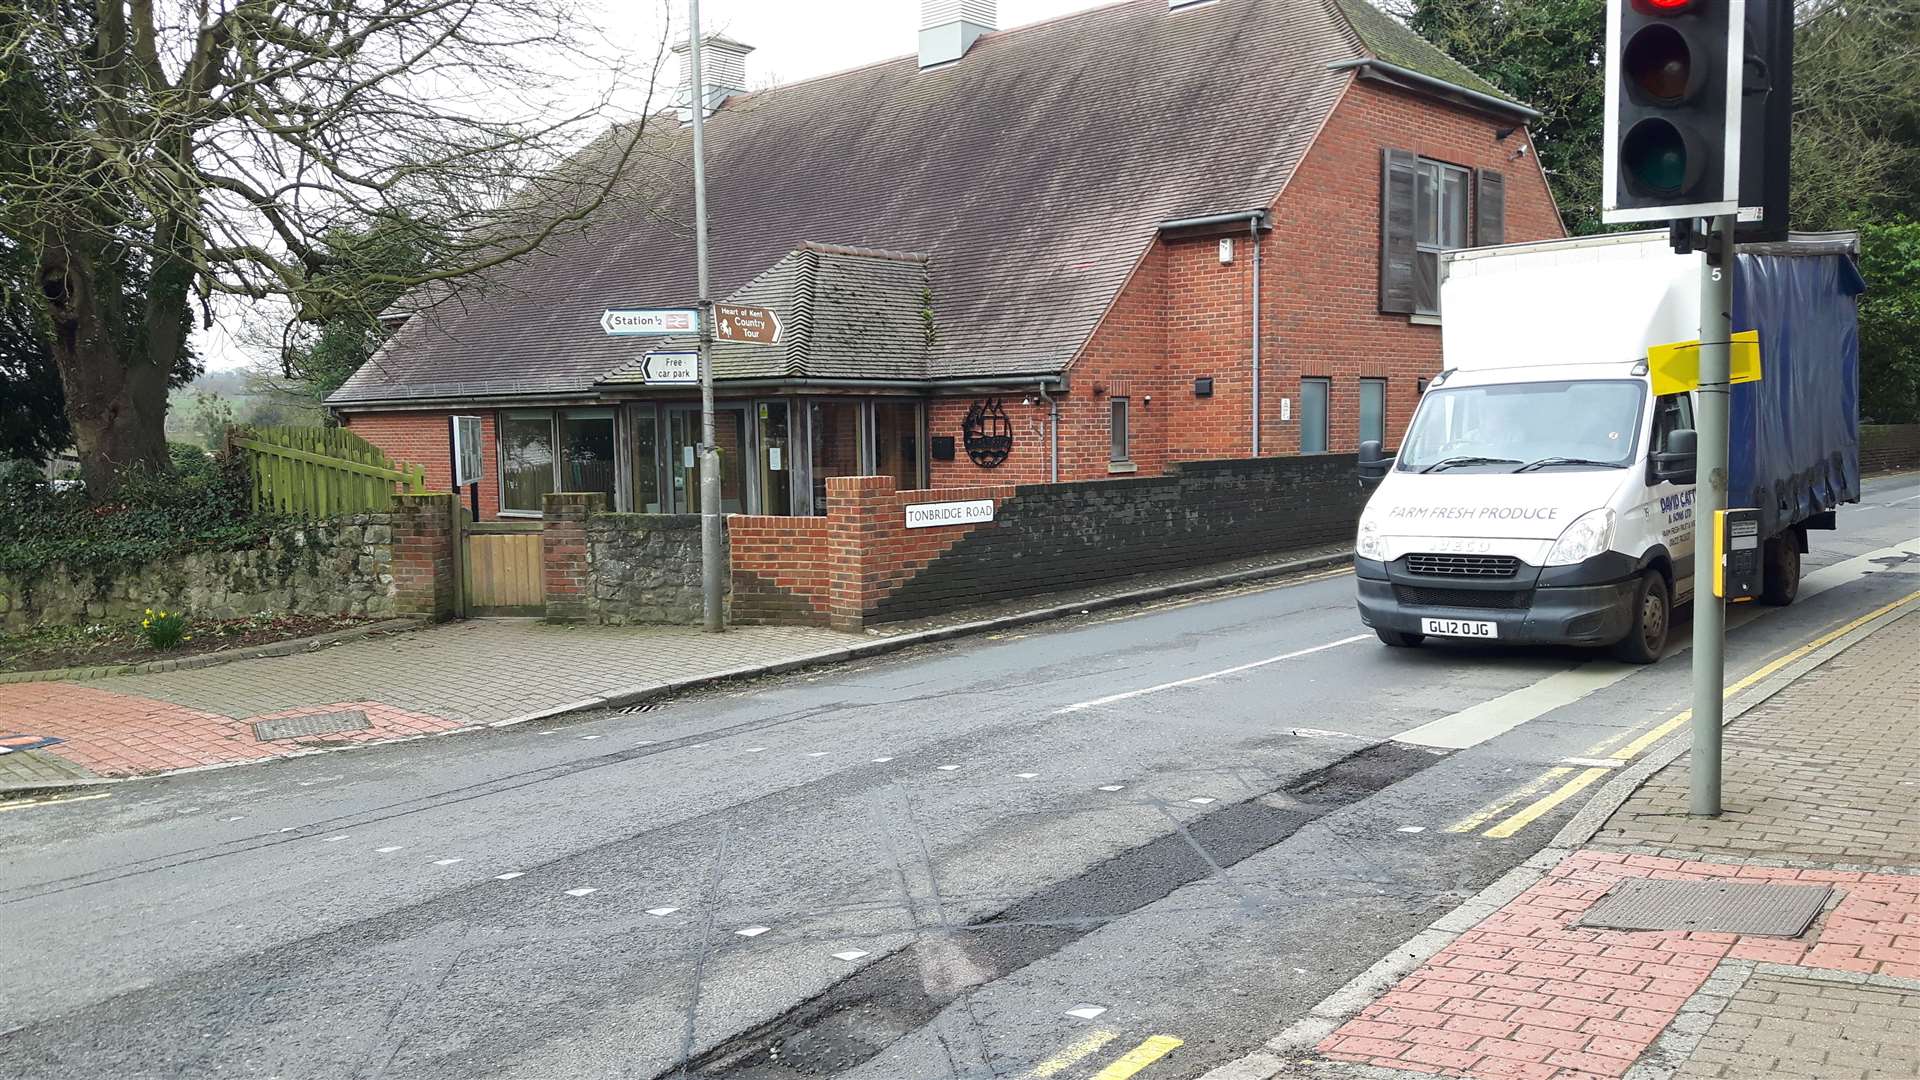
(711,569)
(1709,610)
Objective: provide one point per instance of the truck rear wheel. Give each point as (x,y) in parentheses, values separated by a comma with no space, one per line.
(1652,620)
(1399,640)
(1782,570)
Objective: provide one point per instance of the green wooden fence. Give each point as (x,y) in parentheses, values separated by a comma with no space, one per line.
(321,472)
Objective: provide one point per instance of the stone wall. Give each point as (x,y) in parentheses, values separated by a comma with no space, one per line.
(620,569)
(342,567)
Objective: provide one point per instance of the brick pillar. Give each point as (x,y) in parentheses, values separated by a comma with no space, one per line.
(423,542)
(565,561)
(857,510)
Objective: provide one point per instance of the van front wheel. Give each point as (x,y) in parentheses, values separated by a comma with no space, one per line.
(1652,619)
(1398,640)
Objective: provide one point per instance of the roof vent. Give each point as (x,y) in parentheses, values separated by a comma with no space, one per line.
(723,67)
(948,28)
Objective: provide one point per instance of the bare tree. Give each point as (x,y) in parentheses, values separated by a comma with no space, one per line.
(211,147)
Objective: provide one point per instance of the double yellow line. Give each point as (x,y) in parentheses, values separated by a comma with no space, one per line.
(1533,811)
(52,800)
(1120,1068)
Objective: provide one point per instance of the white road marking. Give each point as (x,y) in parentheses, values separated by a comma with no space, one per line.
(753,931)
(1200,800)
(850,955)
(1026,775)
(1411,828)
(755,749)
(1476,724)
(592,736)
(388,850)
(818,753)
(1594,762)
(661,912)
(235,817)
(290,828)
(510,875)
(447,862)
(334,839)
(1111,698)
(1086,1012)
(881,760)
(1111,787)
(581,892)
(946,768)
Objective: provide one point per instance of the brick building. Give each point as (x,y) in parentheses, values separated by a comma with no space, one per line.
(1021,255)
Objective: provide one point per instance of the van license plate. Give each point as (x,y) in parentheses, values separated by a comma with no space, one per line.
(1459,628)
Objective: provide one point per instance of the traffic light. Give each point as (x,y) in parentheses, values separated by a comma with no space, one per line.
(1766,121)
(1673,109)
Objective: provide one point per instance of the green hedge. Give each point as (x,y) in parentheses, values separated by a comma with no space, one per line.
(201,504)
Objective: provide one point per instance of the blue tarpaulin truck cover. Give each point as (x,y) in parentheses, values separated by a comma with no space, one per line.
(1796,433)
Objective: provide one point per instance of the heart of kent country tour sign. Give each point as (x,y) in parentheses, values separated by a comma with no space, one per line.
(672,369)
(745,325)
(645,322)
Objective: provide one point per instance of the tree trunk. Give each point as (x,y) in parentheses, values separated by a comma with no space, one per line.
(116,403)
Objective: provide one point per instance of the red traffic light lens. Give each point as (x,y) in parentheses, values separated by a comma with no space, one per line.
(1655,158)
(1662,7)
(1659,64)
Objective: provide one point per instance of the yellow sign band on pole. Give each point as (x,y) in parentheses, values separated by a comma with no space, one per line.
(1676,367)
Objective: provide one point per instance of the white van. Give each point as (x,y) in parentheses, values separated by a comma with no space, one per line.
(1544,494)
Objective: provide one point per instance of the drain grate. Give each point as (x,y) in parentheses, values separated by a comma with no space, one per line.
(298,727)
(1725,907)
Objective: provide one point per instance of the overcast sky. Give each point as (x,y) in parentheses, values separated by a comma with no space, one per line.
(792,39)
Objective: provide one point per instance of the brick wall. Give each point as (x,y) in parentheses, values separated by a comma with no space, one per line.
(1889,446)
(781,570)
(873,553)
(423,438)
(566,570)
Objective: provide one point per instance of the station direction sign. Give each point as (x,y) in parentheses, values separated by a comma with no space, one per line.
(649,322)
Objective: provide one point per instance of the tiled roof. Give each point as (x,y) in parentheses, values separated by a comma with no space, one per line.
(1388,39)
(1033,173)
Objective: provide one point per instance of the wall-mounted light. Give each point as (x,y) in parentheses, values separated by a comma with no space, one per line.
(1203,386)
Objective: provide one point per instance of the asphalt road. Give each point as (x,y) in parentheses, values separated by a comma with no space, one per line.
(1197,818)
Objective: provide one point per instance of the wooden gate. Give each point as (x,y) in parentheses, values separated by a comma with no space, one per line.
(500,568)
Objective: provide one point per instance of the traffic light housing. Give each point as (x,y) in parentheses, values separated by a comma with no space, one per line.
(1766,121)
(1673,109)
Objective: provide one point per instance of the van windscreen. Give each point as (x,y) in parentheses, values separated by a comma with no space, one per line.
(1591,424)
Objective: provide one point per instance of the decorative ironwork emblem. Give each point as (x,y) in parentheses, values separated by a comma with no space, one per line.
(988,433)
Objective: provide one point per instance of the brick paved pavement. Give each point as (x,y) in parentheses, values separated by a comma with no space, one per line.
(1783,1027)
(439,679)
(1822,784)
(1828,769)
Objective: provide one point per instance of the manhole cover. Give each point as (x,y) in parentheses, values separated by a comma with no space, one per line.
(296,727)
(1725,907)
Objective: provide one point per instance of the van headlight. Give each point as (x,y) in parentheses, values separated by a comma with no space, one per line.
(1370,544)
(1589,535)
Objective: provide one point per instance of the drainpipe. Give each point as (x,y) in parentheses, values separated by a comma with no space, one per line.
(1053,434)
(1255,224)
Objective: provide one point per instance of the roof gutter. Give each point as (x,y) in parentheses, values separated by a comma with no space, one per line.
(1259,218)
(996,382)
(1369,65)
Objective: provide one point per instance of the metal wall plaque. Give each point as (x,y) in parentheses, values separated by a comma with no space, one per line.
(988,433)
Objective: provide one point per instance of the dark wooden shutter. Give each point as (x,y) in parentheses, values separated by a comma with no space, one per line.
(1397,172)
(1490,209)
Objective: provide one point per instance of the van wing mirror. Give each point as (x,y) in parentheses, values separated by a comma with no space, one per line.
(1374,462)
(1679,462)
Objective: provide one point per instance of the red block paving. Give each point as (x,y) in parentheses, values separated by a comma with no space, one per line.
(1527,995)
(126,735)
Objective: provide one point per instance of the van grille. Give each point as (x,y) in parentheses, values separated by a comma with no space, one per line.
(1463,566)
(1494,599)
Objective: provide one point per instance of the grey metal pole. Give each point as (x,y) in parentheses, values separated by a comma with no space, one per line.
(711,568)
(1256,336)
(1710,611)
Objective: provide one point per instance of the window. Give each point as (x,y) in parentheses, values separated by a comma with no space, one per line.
(1424,210)
(834,427)
(587,453)
(644,424)
(1673,413)
(526,461)
(1117,430)
(1314,394)
(896,443)
(1373,410)
(1557,425)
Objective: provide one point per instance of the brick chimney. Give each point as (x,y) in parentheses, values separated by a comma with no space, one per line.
(948,28)
(723,65)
